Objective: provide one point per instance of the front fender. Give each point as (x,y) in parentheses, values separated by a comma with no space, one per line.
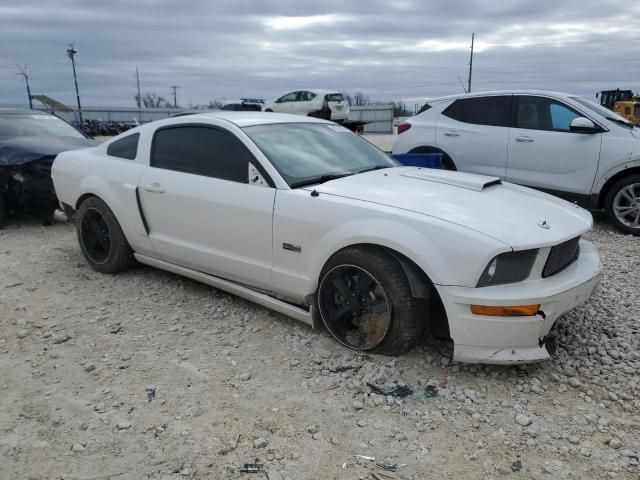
(632,162)
(448,254)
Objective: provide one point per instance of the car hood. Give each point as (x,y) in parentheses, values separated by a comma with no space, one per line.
(517,216)
(21,150)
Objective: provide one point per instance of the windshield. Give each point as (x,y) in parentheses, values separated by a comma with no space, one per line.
(307,153)
(35,124)
(602,111)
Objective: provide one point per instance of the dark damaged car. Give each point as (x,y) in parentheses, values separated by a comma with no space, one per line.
(29,142)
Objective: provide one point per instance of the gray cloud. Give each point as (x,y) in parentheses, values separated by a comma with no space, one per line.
(390,50)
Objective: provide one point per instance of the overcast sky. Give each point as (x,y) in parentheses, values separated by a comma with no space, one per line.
(393,49)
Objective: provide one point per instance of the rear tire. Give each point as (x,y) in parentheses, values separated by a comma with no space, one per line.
(622,204)
(364,299)
(101,239)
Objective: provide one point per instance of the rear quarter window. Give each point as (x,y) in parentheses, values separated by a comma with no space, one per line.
(492,111)
(126,147)
(424,108)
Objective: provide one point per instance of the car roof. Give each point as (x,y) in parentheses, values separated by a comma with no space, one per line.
(318,91)
(250,118)
(14,111)
(549,93)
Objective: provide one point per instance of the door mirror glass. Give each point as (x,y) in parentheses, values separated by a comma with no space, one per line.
(584,125)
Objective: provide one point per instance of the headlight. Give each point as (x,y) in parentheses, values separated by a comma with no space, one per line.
(508,267)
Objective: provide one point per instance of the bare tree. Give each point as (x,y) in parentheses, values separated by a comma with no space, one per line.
(216,104)
(151,100)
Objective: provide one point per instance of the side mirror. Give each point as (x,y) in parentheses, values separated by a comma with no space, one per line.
(583,125)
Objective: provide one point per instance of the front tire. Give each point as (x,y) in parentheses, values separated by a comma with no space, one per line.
(622,204)
(101,239)
(364,299)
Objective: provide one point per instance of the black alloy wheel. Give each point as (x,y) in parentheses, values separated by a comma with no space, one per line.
(95,236)
(354,307)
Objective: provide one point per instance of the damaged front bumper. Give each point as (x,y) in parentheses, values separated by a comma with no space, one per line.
(505,340)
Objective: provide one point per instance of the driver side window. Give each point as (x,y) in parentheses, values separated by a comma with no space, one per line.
(539,113)
(289,97)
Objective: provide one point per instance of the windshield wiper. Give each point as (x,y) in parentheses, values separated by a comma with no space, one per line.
(370,169)
(321,179)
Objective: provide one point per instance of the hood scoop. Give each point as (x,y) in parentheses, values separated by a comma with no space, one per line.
(470,181)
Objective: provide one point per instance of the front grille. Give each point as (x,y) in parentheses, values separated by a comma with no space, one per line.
(561,256)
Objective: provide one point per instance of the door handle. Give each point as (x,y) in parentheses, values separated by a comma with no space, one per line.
(451,134)
(524,139)
(153,188)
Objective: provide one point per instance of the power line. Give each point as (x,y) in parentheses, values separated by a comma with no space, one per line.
(22,71)
(471,63)
(139,95)
(175,101)
(71,53)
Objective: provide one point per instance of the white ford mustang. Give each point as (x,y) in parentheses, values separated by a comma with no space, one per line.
(302,216)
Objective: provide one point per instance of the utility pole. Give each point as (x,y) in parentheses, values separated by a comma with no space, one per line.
(139,95)
(175,102)
(471,63)
(71,53)
(23,73)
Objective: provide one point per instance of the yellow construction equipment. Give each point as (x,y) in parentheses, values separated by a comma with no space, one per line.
(623,102)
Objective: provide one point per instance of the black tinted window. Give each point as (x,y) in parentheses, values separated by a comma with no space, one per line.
(126,147)
(540,113)
(424,108)
(202,151)
(480,110)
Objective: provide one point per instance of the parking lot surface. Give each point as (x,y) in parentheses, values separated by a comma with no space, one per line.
(147,375)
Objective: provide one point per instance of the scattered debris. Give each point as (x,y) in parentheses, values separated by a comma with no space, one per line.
(395,390)
(151,393)
(364,457)
(430,391)
(516,466)
(381,475)
(252,468)
(392,467)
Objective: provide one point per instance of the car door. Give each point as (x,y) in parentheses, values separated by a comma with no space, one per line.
(543,151)
(474,132)
(303,104)
(286,103)
(200,209)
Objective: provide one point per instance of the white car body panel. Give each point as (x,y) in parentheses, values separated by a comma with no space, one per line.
(211,225)
(468,140)
(571,163)
(232,235)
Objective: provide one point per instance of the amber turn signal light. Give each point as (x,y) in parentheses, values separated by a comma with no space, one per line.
(512,311)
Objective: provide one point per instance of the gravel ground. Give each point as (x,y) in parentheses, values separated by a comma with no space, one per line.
(146,375)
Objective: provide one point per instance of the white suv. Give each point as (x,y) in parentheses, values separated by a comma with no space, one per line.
(555,142)
(327,104)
